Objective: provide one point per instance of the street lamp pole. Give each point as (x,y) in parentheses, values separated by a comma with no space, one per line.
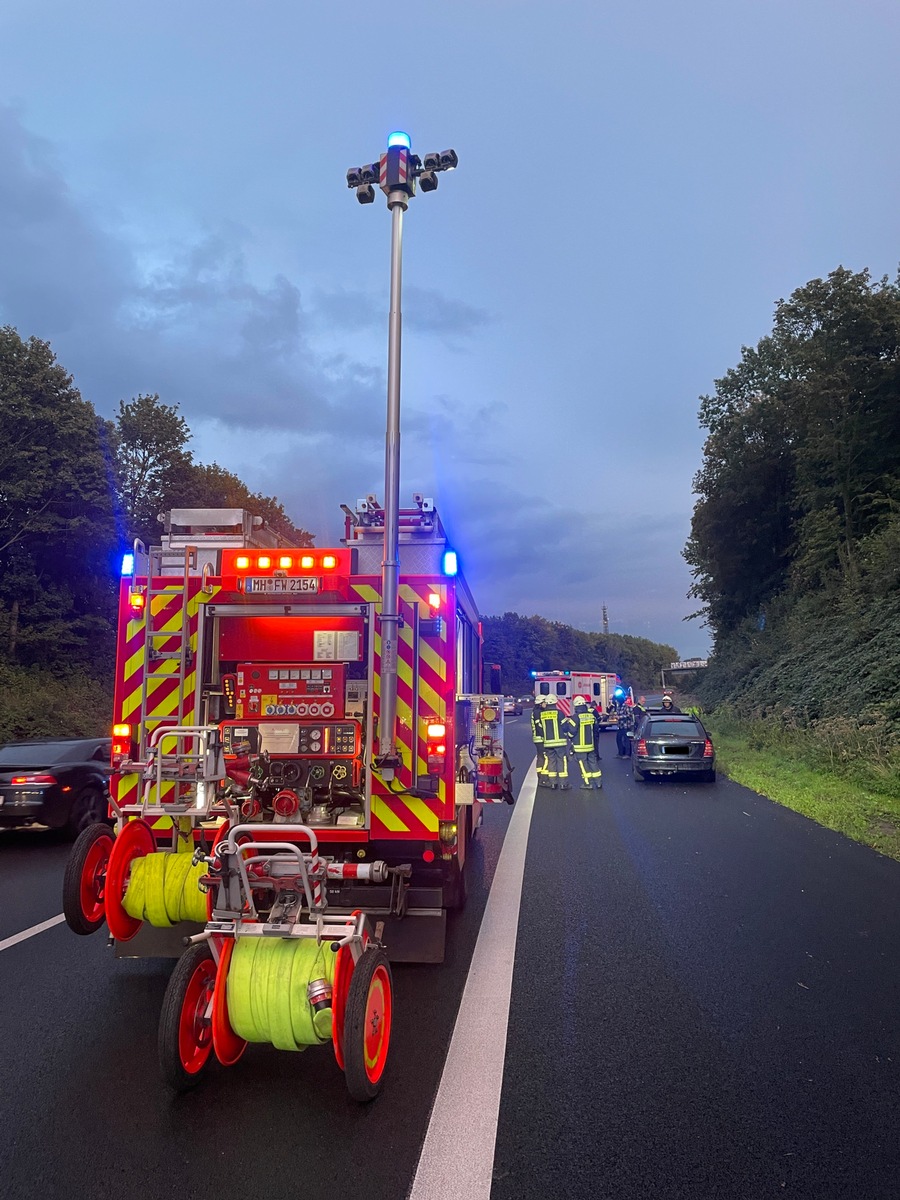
(397,172)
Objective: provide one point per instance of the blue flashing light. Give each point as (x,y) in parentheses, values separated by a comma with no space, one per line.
(127,564)
(449,563)
(399,138)
(534,674)
(619,693)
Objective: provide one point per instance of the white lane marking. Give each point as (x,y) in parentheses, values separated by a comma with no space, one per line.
(457,1158)
(28,933)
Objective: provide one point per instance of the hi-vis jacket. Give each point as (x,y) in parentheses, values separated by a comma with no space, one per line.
(551,728)
(584,734)
(536,731)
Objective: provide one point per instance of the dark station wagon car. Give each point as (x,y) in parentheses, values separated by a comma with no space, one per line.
(61,783)
(672,744)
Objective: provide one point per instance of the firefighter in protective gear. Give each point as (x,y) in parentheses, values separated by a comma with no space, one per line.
(668,705)
(584,728)
(555,746)
(537,736)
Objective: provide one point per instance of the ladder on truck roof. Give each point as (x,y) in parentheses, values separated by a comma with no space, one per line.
(183,655)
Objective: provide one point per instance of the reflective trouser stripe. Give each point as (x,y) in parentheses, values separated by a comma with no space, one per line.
(588,764)
(540,753)
(557,763)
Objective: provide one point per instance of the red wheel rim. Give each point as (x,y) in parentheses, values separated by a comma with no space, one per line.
(195,1035)
(93,879)
(226,1043)
(135,841)
(379,1011)
(340,990)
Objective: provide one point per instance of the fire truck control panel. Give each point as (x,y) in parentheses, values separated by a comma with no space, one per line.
(289,689)
(336,739)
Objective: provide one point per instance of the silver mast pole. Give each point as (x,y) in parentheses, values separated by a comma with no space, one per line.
(390,567)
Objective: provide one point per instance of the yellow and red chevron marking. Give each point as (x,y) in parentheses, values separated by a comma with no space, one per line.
(126,789)
(425,681)
(167,615)
(435,695)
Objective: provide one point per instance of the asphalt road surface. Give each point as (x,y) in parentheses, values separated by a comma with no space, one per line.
(703,1004)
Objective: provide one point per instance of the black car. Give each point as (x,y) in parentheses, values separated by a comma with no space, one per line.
(672,744)
(62,783)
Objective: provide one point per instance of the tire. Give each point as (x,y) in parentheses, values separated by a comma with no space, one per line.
(367,1025)
(709,776)
(456,888)
(88,808)
(185,1032)
(84,883)
(476,826)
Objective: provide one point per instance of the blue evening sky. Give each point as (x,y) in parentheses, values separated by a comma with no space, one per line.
(638,184)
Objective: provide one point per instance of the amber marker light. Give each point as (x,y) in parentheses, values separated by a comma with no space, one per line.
(285,561)
(329,562)
(242,562)
(307,562)
(264,562)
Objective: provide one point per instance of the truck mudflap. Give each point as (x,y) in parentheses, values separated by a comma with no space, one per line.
(417,937)
(413,924)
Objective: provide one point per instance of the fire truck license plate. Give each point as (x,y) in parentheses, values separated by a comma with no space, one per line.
(292,584)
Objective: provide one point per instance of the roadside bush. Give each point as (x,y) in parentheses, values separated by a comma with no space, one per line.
(863,750)
(34,703)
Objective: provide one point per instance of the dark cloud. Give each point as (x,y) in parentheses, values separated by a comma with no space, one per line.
(56,265)
(424,310)
(533,554)
(190,323)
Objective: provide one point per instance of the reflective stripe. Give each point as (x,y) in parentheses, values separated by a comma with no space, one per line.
(585,732)
(550,728)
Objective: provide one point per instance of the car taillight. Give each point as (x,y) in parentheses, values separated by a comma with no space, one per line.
(708,749)
(18,780)
(641,747)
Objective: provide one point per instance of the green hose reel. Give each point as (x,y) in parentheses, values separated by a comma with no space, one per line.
(164,889)
(268,997)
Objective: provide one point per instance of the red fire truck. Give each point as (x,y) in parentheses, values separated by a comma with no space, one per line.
(267,660)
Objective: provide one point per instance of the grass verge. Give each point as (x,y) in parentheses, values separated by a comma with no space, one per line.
(868,814)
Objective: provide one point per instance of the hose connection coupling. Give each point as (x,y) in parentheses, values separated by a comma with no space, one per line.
(319,993)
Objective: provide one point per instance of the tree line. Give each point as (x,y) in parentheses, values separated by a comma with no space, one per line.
(75,491)
(796,530)
(525,644)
